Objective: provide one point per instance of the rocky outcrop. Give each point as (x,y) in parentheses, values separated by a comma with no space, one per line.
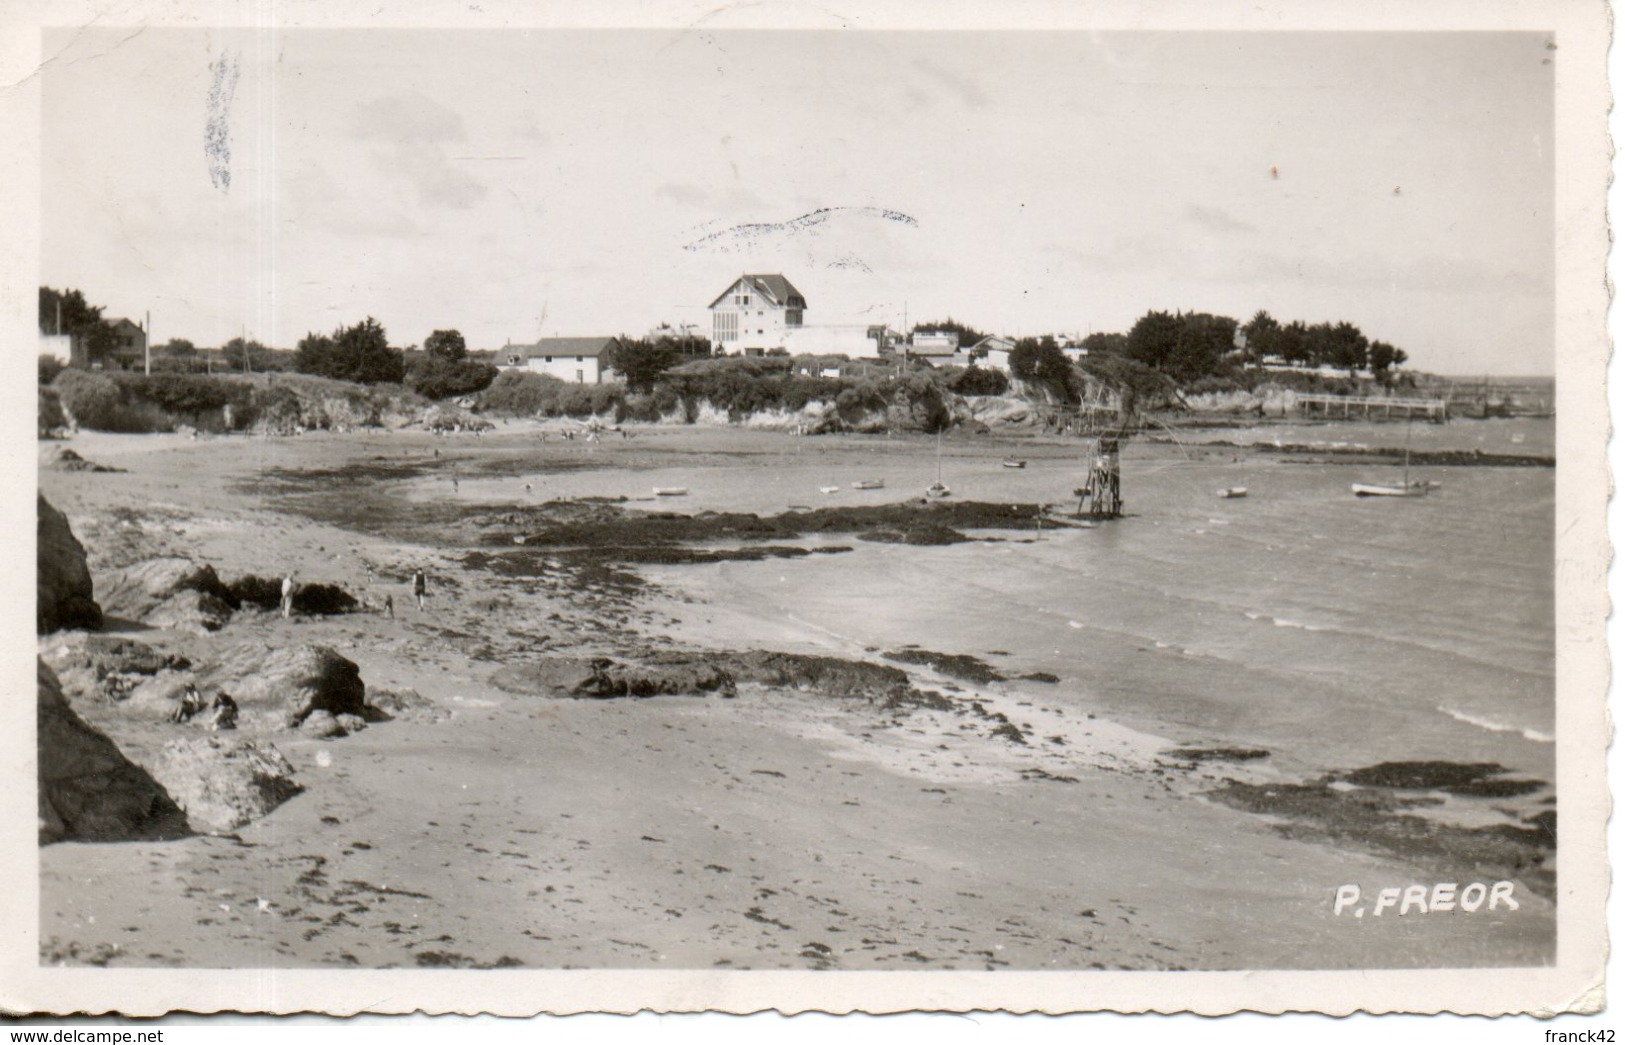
(829,676)
(223,783)
(106,667)
(198,612)
(668,673)
(88,790)
(138,589)
(65,595)
(284,686)
(61,459)
(672,675)
(266,594)
(324,725)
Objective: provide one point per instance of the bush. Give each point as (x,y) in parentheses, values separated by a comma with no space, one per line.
(51,417)
(437,377)
(96,401)
(517,393)
(979,381)
(49,367)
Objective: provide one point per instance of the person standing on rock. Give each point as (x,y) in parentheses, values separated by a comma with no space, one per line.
(420,587)
(287,596)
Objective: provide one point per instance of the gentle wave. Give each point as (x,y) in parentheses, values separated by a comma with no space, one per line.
(1283,622)
(1498,727)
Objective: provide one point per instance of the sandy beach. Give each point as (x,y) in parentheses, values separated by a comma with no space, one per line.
(997,822)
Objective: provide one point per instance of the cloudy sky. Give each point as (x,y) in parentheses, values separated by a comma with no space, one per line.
(515,184)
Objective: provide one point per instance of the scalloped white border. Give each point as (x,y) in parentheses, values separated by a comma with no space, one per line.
(1572,985)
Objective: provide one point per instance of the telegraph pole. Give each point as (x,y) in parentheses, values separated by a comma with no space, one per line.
(147,362)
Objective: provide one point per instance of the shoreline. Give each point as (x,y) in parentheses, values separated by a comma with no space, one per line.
(806,744)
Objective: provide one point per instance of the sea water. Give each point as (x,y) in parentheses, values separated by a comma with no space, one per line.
(1335,631)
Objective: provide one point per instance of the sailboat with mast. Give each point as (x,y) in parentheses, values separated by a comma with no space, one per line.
(938,488)
(1405,487)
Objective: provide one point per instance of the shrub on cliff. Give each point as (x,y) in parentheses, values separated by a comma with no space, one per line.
(96,401)
(978,381)
(516,393)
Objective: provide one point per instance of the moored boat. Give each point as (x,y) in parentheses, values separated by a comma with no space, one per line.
(671,491)
(937,490)
(1389,489)
(1233,491)
(869,484)
(1011,462)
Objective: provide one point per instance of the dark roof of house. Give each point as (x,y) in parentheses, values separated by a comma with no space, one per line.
(772,286)
(119,321)
(988,342)
(934,350)
(562,346)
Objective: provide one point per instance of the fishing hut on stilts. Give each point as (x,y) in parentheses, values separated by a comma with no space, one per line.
(1102,491)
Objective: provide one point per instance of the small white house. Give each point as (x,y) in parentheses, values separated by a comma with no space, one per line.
(577,360)
(993,352)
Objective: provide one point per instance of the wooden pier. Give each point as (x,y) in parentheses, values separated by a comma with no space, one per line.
(1373,408)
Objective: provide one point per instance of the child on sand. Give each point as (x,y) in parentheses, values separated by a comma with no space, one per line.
(389,606)
(419,587)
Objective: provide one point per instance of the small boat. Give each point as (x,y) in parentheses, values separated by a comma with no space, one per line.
(1406,487)
(1233,491)
(799,507)
(1011,462)
(1389,489)
(829,489)
(869,484)
(937,490)
(671,491)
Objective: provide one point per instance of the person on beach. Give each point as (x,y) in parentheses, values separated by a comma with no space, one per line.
(288,587)
(191,704)
(420,587)
(389,606)
(225,712)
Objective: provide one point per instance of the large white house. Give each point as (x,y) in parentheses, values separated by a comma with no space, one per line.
(578,360)
(755,313)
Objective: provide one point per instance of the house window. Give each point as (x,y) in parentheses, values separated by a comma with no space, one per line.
(580,378)
(725,326)
(578,359)
(547,359)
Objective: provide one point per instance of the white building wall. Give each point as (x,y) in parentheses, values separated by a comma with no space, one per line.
(57,345)
(834,339)
(576,370)
(996,359)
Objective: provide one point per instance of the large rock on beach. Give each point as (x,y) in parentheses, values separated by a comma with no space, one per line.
(658,675)
(106,667)
(287,685)
(198,612)
(88,790)
(65,596)
(830,676)
(672,673)
(138,589)
(223,783)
